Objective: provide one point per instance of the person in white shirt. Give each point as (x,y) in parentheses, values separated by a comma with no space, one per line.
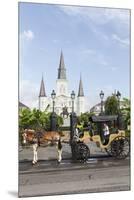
(106,134)
(106,130)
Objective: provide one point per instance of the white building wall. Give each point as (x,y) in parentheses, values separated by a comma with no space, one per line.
(60,102)
(62,99)
(61,87)
(80,105)
(43,103)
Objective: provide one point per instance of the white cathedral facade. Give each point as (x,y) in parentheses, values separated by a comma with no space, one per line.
(63,96)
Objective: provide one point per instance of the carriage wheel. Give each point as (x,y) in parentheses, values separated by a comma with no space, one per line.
(108,150)
(83,152)
(119,147)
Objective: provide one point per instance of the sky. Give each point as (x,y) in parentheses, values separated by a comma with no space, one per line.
(95,43)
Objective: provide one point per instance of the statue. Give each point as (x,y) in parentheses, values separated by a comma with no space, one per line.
(65,113)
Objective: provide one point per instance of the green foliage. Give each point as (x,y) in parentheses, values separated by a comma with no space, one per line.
(84,118)
(126,110)
(36,119)
(59,121)
(127,133)
(111,105)
(24,118)
(112,108)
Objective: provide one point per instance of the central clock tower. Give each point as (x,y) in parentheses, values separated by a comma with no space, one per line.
(62,82)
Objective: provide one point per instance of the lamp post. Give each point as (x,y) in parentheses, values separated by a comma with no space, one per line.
(73,122)
(101,97)
(53,115)
(118,95)
(53,95)
(72,97)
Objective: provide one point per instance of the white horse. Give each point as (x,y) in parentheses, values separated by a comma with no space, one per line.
(37,139)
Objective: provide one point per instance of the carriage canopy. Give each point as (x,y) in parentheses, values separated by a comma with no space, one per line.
(105,118)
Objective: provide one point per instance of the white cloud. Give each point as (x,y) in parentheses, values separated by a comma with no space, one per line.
(118,19)
(55,41)
(98,15)
(113,68)
(123,15)
(27,35)
(122,42)
(101,60)
(88,51)
(107,89)
(28,93)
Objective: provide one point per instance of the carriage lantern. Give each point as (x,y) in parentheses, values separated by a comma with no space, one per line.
(101,97)
(72,97)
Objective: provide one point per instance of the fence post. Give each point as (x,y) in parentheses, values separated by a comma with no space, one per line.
(73,122)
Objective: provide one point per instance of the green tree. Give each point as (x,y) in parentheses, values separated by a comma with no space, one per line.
(111,105)
(25,118)
(59,121)
(84,118)
(24,121)
(45,120)
(125,110)
(36,119)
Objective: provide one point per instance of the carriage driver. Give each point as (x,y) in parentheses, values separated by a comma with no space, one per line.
(78,131)
(106,133)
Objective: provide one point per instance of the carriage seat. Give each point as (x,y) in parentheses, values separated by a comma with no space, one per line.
(106,139)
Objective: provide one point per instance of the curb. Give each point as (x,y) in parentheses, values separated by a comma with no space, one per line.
(99,157)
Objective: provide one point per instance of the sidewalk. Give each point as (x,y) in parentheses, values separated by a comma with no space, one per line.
(50,152)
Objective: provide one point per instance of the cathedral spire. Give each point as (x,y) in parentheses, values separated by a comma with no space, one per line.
(80,92)
(42,89)
(61,69)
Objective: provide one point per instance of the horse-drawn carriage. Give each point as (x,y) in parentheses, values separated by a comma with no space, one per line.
(116,144)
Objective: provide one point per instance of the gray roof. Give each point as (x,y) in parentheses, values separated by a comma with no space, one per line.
(42,89)
(104,118)
(61,69)
(21,105)
(80,92)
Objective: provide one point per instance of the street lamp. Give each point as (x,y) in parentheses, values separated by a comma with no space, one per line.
(101,97)
(53,95)
(73,122)
(73,97)
(53,115)
(118,95)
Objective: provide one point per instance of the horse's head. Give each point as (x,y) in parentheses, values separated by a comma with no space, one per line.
(28,136)
(24,136)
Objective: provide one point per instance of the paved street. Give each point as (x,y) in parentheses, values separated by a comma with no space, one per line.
(97,175)
(100,173)
(50,152)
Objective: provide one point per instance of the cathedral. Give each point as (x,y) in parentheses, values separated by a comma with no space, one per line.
(63,96)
